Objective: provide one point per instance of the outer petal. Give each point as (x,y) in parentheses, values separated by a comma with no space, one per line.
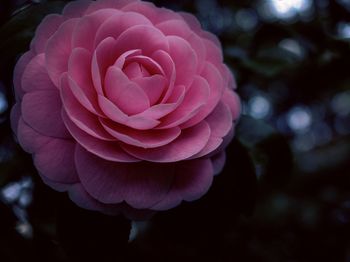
(124,21)
(45,30)
(18,73)
(231,99)
(79,196)
(30,140)
(195,98)
(102,4)
(193,22)
(55,160)
(216,84)
(181,51)
(15,116)
(180,28)
(192,180)
(156,15)
(144,37)
(35,76)
(60,187)
(76,8)
(141,185)
(218,161)
(42,111)
(87,26)
(220,122)
(58,50)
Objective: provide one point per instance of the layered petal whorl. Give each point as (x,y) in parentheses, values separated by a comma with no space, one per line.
(125,105)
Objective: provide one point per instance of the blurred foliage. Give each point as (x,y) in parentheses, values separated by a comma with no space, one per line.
(284,194)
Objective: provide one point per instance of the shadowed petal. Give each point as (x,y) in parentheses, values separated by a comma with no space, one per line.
(42,111)
(76,8)
(35,76)
(18,73)
(45,30)
(192,180)
(141,185)
(30,140)
(55,160)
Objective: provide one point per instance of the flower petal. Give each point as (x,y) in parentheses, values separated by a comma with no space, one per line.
(85,30)
(195,97)
(120,90)
(136,121)
(30,140)
(168,66)
(140,185)
(220,122)
(55,160)
(215,81)
(58,50)
(139,138)
(80,80)
(149,10)
(15,116)
(152,66)
(102,4)
(192,180)
(181,29)
(189,143)
(45,30)
(124,21)
(153,86)
(218,162)
(107,150)
(160,110)
(231,99)
(35,76)
(180,51)
(42,111)
(83,199)
(85,120)
(18,73)
(76,8)
(104,56)
(144,37)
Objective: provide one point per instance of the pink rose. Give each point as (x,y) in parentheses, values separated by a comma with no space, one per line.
(124,105)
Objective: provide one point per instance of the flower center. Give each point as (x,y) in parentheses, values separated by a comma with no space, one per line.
(135,70)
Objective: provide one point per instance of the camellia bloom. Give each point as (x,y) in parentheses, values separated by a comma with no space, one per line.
(124,105)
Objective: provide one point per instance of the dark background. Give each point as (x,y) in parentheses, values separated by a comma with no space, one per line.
(284,194)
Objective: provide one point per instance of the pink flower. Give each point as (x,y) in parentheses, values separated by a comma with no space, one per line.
(126,106)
